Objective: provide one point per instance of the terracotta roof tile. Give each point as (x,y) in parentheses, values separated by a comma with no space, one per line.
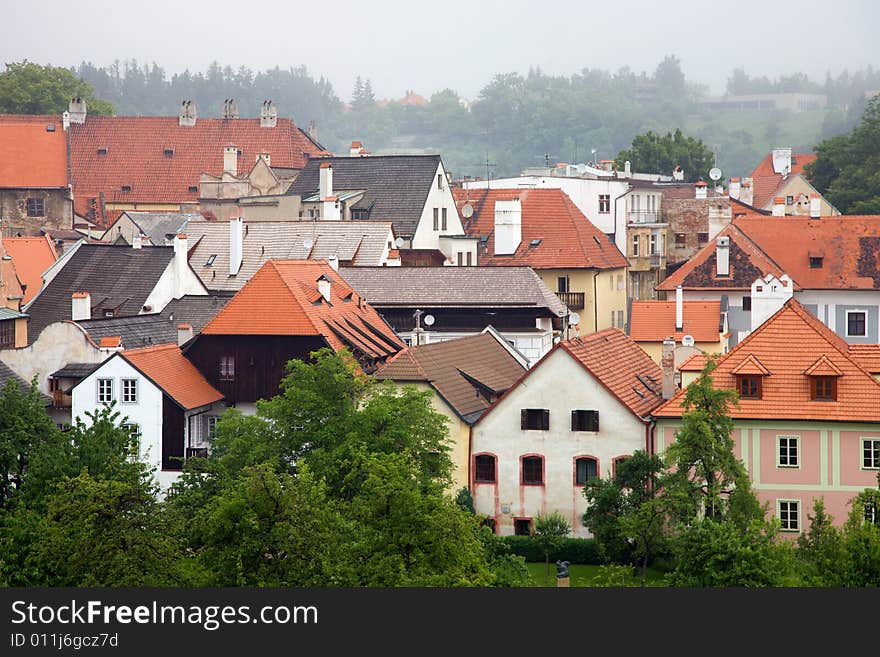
(750,365)
(555,234)
(823,367)
(695,363)
(866,355)
(169,369)
(765,181)
(653,321)
(31,155)
(31,256)
(787,345)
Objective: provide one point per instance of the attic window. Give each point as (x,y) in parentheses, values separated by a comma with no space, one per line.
(823,388)
(169,152)
(108,313)
(102,150)
(535,242)
(126,188)
(50,127)
(193,189)
(749,386)
(815,262)
(211,259)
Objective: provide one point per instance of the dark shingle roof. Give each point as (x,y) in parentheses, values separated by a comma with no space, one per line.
(6,374)
(75,370)
(116,277)
(158,225)
(396,186)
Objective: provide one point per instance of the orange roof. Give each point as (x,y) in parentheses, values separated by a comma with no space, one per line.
(31,155)
(282,298)
(866,355)
(32,256)
(695,363)
(169,369)
(765,181)
(653,321)
(110,342)
(787,345)
(751,365)
(555,234)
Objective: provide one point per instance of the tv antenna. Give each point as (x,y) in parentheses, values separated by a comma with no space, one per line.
(488,164)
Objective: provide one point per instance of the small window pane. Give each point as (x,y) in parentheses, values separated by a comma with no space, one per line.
(586,470)
(484,469)
(532,470)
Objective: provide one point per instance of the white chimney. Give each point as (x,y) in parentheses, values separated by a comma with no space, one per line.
(333,261)
(136,241)
(324,287)
(230,160)
(667,366)
(735,188)
(722,256)
(746,195)
(627,169)
(815,205)
(720,215)
(77,110)
(268,115)
(679,309)
(700,189)
(678,173)
(230,109)
(188,114)
(184,333)
(778,206)
(325,180)
(331,211)
(508,226)
(782,161)
(81,306)
(236,245)
(355,149)
(768,296)
(181,263)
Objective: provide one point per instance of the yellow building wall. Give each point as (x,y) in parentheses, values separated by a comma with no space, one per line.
(604,292)
(655,349)
(795,186)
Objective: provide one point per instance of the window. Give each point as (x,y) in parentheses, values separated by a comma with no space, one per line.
(522,526)
(871,453)
(193,189)
(815,262)
(36,207)
(620,319)
(680,239)
(611,325)
(126,188)
(488,522)
(620,282)
(604,203)
(168,152)
(585,469)
(823,388)
(855,323)
(537,419)
(7,334)
(212,426)
(652,241)
(787,451)
(469,259)
(635,246)
(702,238)
(532,470)
(436,218)
(562,284)
(484,469)
(615,463)
(134,431)
(585,420)
(460,259)
(749,387)
(789,200)
(443,219)
(439,181)
(105,391)
(227,368)
(788,512)
(871,515)
(747,303)
(129,391)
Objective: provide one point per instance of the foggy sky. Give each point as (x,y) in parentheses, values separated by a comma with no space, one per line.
(428,46)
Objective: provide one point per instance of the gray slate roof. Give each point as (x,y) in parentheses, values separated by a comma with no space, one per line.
(6,374)
(453,287)
(396,186)
(157,328)
(156,225)
(118,277)
(75,370)
(359,243)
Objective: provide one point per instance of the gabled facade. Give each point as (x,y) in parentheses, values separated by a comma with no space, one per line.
(779,184)
(572,417)
(807,425)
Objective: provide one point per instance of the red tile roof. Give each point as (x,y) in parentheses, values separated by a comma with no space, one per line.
(765,181)
(31,256)
(695,363)
(110,342)
(787,345)
(135,154)
(866,355)
(31,156)
(653,321)
(282,298)
(169,369)
(566,238)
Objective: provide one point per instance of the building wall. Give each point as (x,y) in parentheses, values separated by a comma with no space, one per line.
(425,236)
(177,280)
(830,465)
(57,204)
(561,385)
(654,349)
(602,296)
(794,187)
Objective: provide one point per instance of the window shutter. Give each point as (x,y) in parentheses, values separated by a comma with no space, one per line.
(574,423)
(594,421)
(545,419)
(523,419)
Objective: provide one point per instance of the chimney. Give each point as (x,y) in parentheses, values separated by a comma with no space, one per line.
(667,365)
(700,189)
(746,195)
(768,295)
(678,173)
(722,256)
(679,310)
(355,149)
(779,206)
(230,109)
(781,161)
(735,188)
(80,306)
(266,157)
(313,131)
(268,115)
(184,333)
(77,110)
(627,169)
(230,160)
(508,226)
(815,205)
(325,180)
(236,245)
(324,287)
(136,241)
(720,215)
(333,261)
(188,114)
(181,263)
(331,210)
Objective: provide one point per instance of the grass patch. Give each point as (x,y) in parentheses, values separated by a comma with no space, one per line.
(584,576)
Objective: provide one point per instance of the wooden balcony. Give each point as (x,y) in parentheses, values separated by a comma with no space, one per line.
(574,300)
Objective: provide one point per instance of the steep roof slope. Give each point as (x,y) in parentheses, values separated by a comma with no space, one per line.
(31,257)
(653,321)
(169,369)
(765,181)
(31,153)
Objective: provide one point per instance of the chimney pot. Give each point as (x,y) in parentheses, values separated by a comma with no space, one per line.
(268,115)
(188,114)
(184,333)
(667,365)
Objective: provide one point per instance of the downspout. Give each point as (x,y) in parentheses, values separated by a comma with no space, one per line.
(595,303)
(470,477)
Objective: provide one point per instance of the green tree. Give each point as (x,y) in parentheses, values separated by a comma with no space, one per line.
(550,530)
(862,540)
(655,153)
(465,500)
(821,550)
(28,88)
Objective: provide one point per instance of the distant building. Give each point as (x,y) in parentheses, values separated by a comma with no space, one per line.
(779,185)
(790,101)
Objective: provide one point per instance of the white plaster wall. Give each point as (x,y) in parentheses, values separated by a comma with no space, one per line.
(561,385)
(425,236)
(828,300)
(173,284)
(533,345)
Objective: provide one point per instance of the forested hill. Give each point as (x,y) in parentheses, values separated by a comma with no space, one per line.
(516,121)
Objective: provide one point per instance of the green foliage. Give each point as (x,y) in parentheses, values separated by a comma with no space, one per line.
(28,88)
(655,153)
(465,501)
(550,530)
(614,575)
(820,550)
(573,550)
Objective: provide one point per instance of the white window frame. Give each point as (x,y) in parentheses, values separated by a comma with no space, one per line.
(635,245)
(852,312)
(134,398)
(652,244)
(787,501)
(100,395)
(797,451)
(862,441)
(212,421)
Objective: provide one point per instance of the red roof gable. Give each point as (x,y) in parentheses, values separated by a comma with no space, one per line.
(563,237)
(765,181)
(31,256)
(31,155)
(653,321)
(169,369)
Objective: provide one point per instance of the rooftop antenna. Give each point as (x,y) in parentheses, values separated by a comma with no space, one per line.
(488,164)
(547,160)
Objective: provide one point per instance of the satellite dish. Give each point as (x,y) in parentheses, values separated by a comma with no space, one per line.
(308,243)
(715,173)
(687,341)
(429,320)
(398,242)
(574,318)
(467,210)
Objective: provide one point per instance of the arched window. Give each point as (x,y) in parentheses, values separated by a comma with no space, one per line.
(484,469)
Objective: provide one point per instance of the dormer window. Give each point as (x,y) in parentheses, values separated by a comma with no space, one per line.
(126,188)
(193,189)
(749,386)
(823,388)
(169,152)
(102,150)
(815,262)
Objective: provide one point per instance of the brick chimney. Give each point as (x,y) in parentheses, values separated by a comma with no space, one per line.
(700,189)
(80,306)
(778,206)
(815,205)
(184,333)
(188,114)
(667,366)
(268,114)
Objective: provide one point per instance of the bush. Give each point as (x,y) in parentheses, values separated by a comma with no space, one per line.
(573,550)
